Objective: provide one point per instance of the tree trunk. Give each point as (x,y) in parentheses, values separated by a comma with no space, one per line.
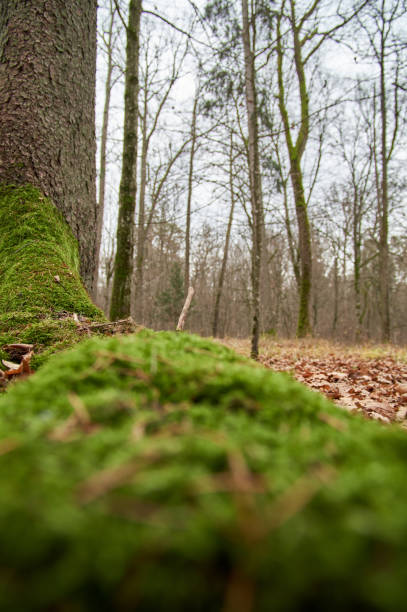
(123,266)
(219,289)
(336,296)
(357,262)
(189,198)
(384,212)
(295,152)
(47,88)
(305,251)
(103,143)
(141,230)
(254,176)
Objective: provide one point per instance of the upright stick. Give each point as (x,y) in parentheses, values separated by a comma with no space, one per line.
(183,315)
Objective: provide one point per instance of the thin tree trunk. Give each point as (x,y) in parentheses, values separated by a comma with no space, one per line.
(357,260)
(47,95)
(336,296)
(304,243)
(221,279)
(295,152)
(103,144)
(384,212)
(123,266)
(291,245)
(139,280)
(254,176)
(189,198)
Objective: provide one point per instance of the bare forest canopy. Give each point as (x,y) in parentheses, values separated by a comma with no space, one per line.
(330,106)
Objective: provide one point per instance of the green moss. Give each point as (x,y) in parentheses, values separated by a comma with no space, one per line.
(200,478)
(36,246)
(160,471)
(39,275)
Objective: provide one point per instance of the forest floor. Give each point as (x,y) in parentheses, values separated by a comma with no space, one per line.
(368,379)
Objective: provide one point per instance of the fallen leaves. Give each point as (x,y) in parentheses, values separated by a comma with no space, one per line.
(21,352)
(377,388)
(17,351)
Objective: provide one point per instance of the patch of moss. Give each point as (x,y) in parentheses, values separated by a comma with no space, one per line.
(39,273)
(192,479)
(36,246)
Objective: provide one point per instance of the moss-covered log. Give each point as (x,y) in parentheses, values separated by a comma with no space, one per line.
(159,471)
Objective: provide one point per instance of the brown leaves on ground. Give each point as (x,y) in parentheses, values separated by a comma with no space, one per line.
(371,380)
(375,387)
(20,366)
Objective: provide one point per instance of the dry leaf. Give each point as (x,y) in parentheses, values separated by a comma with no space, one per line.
(10,365)
(401,413)
(17,351)
(367,385)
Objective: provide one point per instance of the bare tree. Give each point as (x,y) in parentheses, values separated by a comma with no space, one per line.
(155,96)
(379,24)
(221,279)
(108,41)
(248,38)
(192,151)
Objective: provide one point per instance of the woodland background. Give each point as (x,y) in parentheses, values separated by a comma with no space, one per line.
(194,221)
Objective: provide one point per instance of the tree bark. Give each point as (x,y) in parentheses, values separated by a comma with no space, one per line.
(123,266)
(254,176)
(47,89)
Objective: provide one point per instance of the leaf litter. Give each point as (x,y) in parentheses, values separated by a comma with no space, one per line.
(377,387)
(371,381)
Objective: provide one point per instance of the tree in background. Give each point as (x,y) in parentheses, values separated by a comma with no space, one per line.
(380,22)
(343,229)
(248,38)
(108,36)
(123,265)
(156,86)
(306,33)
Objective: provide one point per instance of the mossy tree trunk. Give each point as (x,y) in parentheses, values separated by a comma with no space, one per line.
(123,265)
(47,89)
(296,147)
